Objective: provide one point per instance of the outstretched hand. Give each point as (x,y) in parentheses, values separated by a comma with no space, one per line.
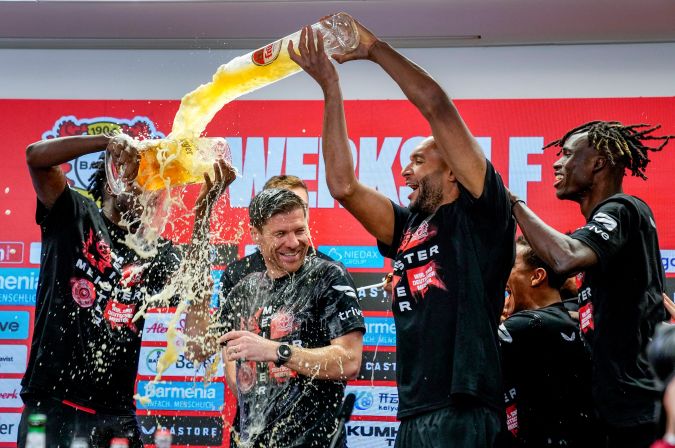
(312,57)
(125,157)
(211,190)
(669,304)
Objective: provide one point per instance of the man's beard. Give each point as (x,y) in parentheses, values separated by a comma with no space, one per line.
(429,196)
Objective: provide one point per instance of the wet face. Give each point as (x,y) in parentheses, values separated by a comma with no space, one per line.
(128,203)
(519,283)
(574,171)
(426,174)
(125,206)
(283,241)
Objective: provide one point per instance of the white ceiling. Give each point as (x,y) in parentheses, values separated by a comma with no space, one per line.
(231,24)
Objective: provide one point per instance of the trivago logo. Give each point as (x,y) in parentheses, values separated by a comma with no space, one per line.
(182,367)
(82,167)
(380,332)
(18,286)
(363,434)
(9,427)
(9,393)
(14,325)
(181,395)
(13,358)
(190,431)
(374,400)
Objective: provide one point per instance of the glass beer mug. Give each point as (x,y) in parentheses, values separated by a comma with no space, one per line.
(167,163)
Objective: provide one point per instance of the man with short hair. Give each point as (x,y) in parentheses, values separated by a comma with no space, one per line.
(452,249)
(239,269)
(295,332)
(545,364)
(618,249)
(84,352)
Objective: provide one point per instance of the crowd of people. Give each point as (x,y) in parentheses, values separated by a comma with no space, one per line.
(289,325)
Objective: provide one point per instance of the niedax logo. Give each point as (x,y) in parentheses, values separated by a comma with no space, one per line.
(82,167)
(607,221)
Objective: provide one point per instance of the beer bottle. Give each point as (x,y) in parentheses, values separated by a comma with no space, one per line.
(162,438)
(119,442)
(37,437)
(254,70)
(79,442)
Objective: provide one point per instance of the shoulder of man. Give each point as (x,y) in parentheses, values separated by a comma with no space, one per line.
(244,266)
(631,204)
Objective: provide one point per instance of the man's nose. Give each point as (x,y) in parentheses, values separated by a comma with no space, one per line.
(407,170)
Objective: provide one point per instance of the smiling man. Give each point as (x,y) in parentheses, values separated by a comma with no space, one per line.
(618,248)
(453,248)
(295,332)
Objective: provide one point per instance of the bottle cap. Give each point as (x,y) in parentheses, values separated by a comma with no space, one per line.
(37,420)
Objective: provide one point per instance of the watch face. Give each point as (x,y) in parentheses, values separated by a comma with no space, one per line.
(285,351)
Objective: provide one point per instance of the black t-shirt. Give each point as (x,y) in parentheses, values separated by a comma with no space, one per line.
(547,376)
(620,305)
(254,262)
(450,271)
(85,346)
(318,303)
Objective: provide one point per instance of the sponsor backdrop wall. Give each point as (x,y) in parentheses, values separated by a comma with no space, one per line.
(283,136)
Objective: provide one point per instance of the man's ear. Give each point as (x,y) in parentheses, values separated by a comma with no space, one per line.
(255,234)
(599,164)
(539,276)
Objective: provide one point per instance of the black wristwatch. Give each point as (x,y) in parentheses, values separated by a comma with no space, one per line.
(283,355)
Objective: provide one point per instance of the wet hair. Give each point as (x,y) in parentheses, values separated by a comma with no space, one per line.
(286,181)
(622,145)
(531,259)
(271,202)
(97,180)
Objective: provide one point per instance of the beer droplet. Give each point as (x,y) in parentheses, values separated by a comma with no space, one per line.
(8,212)
(6,190)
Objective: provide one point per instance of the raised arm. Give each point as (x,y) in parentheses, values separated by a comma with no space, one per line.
(201,343)
(371,208)
(45,157)
(454,140)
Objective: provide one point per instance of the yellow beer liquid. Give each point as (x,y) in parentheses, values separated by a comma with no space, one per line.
(166,163)
(239,76)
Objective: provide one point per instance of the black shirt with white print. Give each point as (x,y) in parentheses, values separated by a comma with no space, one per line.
(620,305)
(85,346)
(278,406)
(450,271)
(547,368)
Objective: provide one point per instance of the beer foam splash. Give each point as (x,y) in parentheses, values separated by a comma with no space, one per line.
(233,79)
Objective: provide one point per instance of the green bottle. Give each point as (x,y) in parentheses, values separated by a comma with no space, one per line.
(37,437)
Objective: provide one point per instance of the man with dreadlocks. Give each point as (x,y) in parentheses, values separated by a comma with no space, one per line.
(85,347)
(620,298)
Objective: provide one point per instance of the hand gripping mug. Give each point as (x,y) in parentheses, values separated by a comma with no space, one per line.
(167,163)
